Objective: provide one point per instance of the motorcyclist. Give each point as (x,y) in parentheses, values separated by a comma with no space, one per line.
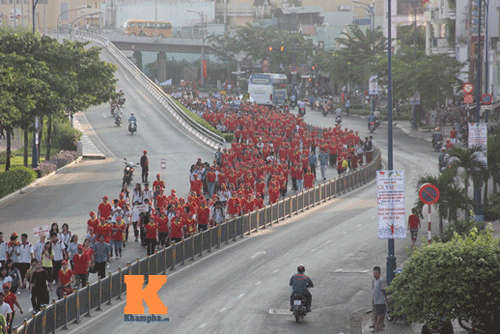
(131,120)
(437,136)
(443,158)
(302,106)
(371,118)
(300,284)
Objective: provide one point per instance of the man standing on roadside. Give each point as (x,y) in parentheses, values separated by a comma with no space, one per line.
(378,300)
(414,225)
(145,166)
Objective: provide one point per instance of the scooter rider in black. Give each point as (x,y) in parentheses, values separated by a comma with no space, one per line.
(300,284)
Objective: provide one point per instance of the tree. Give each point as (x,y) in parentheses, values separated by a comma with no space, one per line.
(452,197)
(9,113)
(459,279)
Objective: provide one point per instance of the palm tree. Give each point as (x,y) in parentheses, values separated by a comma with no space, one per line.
(468,163)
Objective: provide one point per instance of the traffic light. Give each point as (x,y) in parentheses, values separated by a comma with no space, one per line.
(270,48)
(282,48)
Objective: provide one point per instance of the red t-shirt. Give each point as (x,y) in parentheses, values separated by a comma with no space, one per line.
(162,224)
(65,276)
(413,222)
(151,231)
(203,216)
(81,263)
(176,230)
(117,232)
(105,210)
(10,299)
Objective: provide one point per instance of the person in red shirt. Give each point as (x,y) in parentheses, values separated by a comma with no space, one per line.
(158,185)
(65,278)
(93,221)
(162,223)
(414,225)
(11,299)
(196,185)
(117,230)
(151,230)
(190,225)
(211,178)
(104,209)
(308,179)
(203,216)
(176,229)
(453,135)
(81,263)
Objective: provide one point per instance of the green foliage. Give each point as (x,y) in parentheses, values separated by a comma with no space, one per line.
(227,136)
(15,179)
(65,137)
(492,208)
(459,279)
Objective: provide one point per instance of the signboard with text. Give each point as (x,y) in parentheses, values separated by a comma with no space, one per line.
(391,204)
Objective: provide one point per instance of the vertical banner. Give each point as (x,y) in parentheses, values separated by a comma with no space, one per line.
(478,136)
(204,64)
(391,204)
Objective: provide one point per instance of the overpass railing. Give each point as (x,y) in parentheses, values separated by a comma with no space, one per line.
(84,301)
(205,135)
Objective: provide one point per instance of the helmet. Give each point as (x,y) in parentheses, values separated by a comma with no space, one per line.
(301,269)
(131,114)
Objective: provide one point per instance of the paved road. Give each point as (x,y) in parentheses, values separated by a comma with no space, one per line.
(243,288)
(69,196)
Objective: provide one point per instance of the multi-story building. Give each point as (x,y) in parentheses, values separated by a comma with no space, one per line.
(404,13)
(452,27)
(50,13)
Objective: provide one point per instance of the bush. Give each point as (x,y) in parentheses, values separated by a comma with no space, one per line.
(492,209)
(15,179)
(46,167)
(65,137)
(63,158)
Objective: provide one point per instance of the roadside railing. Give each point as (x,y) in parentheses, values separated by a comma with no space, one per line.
(110,290)
(208,137)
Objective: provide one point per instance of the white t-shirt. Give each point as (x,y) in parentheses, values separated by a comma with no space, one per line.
(57,249)
(25,251)
(37,250)
(5,309)
(3,251)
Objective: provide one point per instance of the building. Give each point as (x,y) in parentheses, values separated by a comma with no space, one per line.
(50,13)
(404,13)
(293,18)
(452,28)
(233,13)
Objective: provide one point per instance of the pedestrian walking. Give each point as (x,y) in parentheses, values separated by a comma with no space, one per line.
(81,263)
(323,162)
(102,250)
(414,225)
(144,166)
(39,289)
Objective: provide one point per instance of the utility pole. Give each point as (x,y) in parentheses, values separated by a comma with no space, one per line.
(202,55)
(478,212)
(391,258)
(414,104)
(156,10)
(35,154)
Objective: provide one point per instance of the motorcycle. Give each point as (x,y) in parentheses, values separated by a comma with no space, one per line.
(132,127)
(118,119)
(338,120)
(373,125)
(324,110)
(128,172)
(299,308)
(437,144)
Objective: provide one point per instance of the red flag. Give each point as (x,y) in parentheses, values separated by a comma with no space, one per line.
(204,64)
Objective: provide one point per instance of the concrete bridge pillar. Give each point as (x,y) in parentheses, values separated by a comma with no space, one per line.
(138,59)
(161,59)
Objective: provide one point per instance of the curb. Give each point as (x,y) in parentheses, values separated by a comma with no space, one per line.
(38,180)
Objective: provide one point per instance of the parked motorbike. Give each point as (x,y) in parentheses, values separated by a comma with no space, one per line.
(299,308)
(128,172)
(132,127)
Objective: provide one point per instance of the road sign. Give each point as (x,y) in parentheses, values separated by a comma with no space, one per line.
(486,98)
(428,193)
(391,204)
(373,85)
(468,88)
(468,99)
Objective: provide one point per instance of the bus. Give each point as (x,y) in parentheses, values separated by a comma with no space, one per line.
(148,28)
(268,88)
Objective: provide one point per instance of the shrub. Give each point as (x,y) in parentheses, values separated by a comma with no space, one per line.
(492,208)
(46,167)
(63,158)
(14,179)
(66,137)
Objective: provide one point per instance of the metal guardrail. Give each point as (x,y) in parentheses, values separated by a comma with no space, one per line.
(208,137)
(110,289)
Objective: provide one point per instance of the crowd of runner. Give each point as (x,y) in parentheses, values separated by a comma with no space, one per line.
(272,154)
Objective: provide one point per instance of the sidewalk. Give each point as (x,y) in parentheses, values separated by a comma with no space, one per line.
(88,149)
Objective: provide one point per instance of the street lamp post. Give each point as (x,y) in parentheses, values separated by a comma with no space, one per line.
(66,12)
(391,258)
(202,55)
(35,153)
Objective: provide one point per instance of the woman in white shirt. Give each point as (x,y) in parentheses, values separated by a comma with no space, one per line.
(137,195)
(65,235)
